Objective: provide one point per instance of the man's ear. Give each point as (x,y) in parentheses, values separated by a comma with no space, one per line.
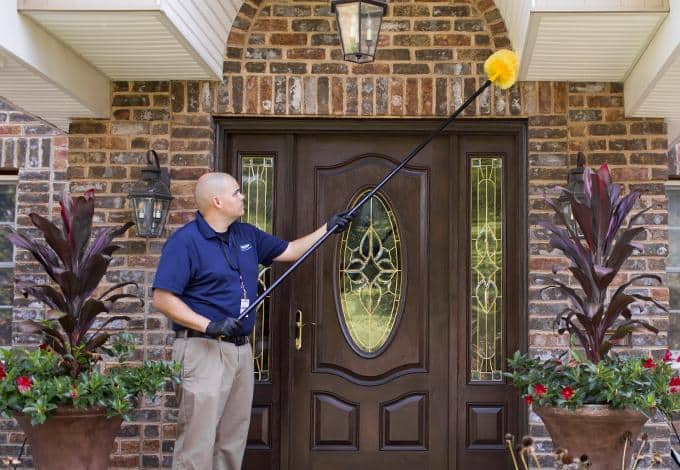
(216,201)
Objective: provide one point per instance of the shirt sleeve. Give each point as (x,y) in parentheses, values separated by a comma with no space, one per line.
(268,246)
(174,268)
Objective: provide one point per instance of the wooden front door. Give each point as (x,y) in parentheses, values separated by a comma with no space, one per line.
(394,334)
(365,391)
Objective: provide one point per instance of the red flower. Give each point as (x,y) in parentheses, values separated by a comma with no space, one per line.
(668,357)
(558,362)
(567,392)
(649,364)
(677,359)
(2,371)
(540,390)
(528,399)
(74,393)
(24,384)
(674,385)
(43,347)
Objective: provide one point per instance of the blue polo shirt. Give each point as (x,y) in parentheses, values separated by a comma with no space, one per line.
(201,267)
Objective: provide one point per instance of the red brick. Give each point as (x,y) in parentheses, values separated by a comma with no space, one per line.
(337,95)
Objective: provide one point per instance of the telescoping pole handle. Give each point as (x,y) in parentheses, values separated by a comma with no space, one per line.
(329,230)
(501,68)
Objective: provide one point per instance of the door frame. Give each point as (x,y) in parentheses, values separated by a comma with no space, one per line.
(284,350)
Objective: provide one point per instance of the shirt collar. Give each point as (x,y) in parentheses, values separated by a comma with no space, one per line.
(206,230)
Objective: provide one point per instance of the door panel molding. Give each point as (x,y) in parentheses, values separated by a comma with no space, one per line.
(405,422)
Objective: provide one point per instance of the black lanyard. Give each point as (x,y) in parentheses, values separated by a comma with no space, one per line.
(237,268)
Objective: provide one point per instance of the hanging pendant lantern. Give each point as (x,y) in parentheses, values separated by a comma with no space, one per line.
(151,198)
(359,25)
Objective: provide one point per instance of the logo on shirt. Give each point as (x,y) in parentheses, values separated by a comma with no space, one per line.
(245,247)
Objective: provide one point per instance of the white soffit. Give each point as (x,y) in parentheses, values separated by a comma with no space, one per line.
(653,86)
(32,93)
(45,78)
(580,40)
(142,39)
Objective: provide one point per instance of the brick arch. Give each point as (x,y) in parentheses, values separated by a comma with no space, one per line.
(285,59)
(494,22)
(485,8)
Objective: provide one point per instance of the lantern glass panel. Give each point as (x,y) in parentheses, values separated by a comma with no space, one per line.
(143,214)
(348,23)
(160,209)
(371,17)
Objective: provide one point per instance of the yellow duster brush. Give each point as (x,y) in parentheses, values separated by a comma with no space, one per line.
(501,69)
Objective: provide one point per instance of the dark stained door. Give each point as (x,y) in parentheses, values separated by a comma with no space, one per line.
(373,401)
(388,345)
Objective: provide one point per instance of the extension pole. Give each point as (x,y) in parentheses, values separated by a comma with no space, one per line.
(368,196)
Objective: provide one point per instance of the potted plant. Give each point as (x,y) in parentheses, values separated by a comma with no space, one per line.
(69,404)
(596,403)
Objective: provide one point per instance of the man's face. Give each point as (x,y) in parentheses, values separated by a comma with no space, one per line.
(232,199)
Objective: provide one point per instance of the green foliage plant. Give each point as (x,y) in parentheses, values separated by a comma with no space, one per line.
(67,369)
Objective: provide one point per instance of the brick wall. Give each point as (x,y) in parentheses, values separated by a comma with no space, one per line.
(172,119)
(283,59)
(39,153)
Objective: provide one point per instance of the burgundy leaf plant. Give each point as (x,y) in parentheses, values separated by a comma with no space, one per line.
(76,265)
(596,318)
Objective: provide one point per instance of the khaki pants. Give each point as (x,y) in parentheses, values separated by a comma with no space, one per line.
(215,399)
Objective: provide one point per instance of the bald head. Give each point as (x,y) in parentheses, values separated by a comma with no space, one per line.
(212,185)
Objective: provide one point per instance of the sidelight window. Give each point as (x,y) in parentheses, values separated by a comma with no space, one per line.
(257,185)
(486,270)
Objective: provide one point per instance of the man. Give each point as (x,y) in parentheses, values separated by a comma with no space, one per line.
(206,277)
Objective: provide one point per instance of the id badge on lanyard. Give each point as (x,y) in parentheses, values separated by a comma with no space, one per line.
(245,301)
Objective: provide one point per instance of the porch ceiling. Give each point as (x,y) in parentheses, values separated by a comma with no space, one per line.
(141,39)
(43,76)
(26,89)
(579,40)
(651,89)
(59,56)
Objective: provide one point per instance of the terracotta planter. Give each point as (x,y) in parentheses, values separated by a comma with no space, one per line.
(72,439)
(594,430)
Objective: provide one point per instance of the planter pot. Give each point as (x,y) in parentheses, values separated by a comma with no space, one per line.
(594,430)
(72,439)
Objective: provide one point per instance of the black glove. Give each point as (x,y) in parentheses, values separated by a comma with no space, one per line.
(227,327)
(341,219)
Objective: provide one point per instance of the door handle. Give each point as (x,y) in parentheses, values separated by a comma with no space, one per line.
(299,325)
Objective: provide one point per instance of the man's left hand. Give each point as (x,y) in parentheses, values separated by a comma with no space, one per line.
(340,220)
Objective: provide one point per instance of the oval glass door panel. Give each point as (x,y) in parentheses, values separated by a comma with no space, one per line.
(370,276)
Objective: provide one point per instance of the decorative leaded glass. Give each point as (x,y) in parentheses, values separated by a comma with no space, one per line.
(370,276)
(257,185)
(486,270)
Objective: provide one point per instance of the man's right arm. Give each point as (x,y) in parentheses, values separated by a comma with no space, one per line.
(176,310)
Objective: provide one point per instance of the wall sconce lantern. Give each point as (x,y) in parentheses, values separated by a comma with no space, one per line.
(359,25)
(576,185)
(151,198)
